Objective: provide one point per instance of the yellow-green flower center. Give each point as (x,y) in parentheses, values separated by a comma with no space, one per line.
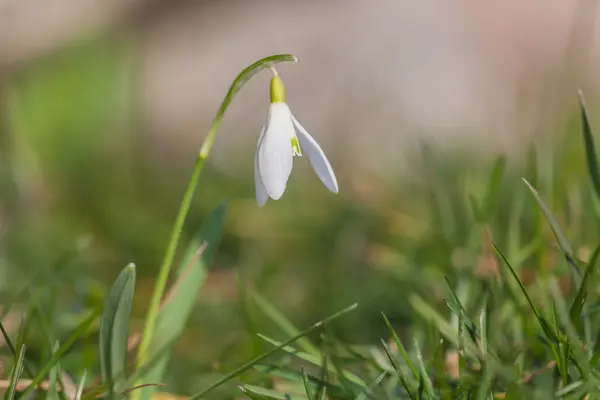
(277,90)
(296,147)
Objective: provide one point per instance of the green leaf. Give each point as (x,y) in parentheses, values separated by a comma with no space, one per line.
(263,356)
(322,389)
(563,243)
(369,390)
(578,303)
(16,374)
(424,374)
(307,387)
(81,385)
(114,329)
(455,305)
(182,297)
(313,360)
(398,369)
(401,348)
(576,352)
(494,186)
(54,374)
(335,391)
(258,393)
(590,148)
(283,323)
(81,329)
(542,321)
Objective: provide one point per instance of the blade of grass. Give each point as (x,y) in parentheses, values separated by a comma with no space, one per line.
(311,359)
(258,393)
(575,343)
(307,387)
(542,321)
(401,348)
(263,356)
(577,307)
(114,329)
(283,323)
(590,148)
(81,385)
(12,349)
(79,331)
(16,374)
(424,375)
(563,243)
(369,390)
(322,388)
(401,375)
(54,373)
(494,186)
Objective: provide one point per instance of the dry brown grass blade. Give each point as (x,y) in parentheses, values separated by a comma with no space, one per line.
(135,337)
(188,268)
(144,385)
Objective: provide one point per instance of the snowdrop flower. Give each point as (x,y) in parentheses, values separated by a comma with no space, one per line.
(281,139)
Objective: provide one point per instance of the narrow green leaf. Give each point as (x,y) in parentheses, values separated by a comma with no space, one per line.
(424,375)
(251,394)
(575,344)
(542,321)
(307,387)
(81,385)
(590,148)
(563,243)
(16,374)
(484,390)
(570,389)
(401,375)
(283,323)
(322,389)
(81,329)
(578,303)
(369,390)
(52,392)
(335,391)
(114,329)
(312,359)
(401,348)
(259,393)
(494,186)
(446,329)
(262,357)
(455,305)
(182,297)
(12,348)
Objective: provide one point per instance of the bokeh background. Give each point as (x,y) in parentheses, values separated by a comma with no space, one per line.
(104,103)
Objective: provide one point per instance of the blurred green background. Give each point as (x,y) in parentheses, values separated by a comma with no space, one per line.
(87,186)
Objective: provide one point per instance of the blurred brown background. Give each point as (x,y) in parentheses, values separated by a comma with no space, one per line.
(392,70)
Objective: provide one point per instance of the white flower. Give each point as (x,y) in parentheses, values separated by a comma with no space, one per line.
(281,139)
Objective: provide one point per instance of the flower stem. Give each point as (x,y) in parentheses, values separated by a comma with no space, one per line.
(203,153)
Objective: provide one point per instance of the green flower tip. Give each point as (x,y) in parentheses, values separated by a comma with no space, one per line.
(277,90)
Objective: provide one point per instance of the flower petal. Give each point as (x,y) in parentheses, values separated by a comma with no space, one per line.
(317,158)
(275,158)
(261,193)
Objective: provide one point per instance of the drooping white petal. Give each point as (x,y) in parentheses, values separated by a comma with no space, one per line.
(317,158)
(261,193)
(275,157)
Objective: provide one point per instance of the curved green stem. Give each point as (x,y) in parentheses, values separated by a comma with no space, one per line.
(165,268)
